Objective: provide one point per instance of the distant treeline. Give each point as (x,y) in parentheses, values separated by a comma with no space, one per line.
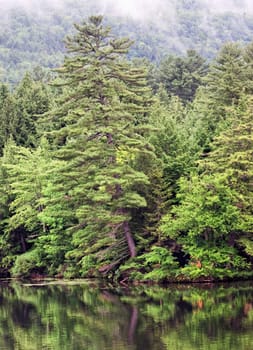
(30,38)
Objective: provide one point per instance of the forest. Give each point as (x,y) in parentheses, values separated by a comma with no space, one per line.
(118,168)
(32,35)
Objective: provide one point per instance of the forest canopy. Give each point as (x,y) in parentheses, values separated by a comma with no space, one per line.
(118,168)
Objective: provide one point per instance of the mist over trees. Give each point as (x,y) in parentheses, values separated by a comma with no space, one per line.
(33,35)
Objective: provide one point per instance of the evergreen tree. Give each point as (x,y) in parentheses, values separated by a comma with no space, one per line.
(174,140)
(181,76)
(9,120)
(232,154)
(32,99)
(100,136)
(4,92)
(226,80)
(20,111)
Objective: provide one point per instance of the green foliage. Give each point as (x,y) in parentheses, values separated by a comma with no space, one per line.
(25,264)
(20,111)
(123,183)
(161,263)
(207,210)
(213,263)
(26,177)
(35,37)
(181,76)
(227,79)
(156,265)
(98,140)
(204,224)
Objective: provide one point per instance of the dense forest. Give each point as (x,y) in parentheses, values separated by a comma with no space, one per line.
(119,168)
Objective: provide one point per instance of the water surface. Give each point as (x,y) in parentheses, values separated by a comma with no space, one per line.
(91,317)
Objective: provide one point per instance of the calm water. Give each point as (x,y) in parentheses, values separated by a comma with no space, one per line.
(84,316)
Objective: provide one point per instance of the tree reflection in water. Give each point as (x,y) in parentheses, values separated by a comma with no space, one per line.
(89,317)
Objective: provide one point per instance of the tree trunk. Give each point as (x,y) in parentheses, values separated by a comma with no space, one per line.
(132,325)
(130,240)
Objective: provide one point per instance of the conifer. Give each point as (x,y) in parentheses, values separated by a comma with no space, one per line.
(99,134)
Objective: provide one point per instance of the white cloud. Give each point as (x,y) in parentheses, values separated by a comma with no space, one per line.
(137,9)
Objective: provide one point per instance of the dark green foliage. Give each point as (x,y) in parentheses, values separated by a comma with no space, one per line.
(9,121)
(226,79)
(20,111)
(181,76)
(33,99)
(99,142)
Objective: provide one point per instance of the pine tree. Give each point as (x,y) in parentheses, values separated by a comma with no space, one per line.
(226,80)
(232,155)
(4,92)
(181,76)
(32,100)
(20,111)
(100,136)
(9,120)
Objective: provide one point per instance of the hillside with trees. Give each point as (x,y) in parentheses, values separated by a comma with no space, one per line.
(116,168)
(32,36)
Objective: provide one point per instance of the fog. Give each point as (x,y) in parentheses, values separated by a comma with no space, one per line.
(136,9)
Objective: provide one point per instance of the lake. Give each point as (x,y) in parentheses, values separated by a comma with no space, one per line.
(88,316)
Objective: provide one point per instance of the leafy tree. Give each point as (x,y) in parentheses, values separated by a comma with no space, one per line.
(28,231)
(204,225)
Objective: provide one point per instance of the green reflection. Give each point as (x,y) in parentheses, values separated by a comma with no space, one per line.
(89,317)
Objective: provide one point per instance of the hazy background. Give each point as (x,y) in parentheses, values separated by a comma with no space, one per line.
(137,9)
(32,31)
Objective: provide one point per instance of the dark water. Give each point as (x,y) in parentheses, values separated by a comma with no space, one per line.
(88,317)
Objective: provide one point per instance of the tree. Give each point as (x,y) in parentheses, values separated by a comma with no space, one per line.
(100,137)
(32,233)
(204,224)
(32,100)
(226,80)
(181,76)
(213,221)
(20,111)
(9,120)
(4,92)
(232,154)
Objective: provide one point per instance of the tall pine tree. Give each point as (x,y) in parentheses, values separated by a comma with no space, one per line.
(100,138)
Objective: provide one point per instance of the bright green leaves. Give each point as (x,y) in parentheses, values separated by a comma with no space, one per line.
(207,211)
(207,224)
(27,179)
